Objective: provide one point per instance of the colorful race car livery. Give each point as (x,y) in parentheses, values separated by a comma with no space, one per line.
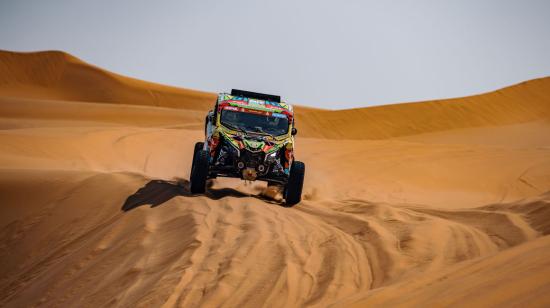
(250,136)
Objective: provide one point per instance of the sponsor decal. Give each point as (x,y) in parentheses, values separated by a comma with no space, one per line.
(256,101)
(231,108)
(255,111)
(280,106)
(241,102)
(233,101)
(279,115)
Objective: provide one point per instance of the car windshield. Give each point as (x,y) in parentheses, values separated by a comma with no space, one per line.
(257,123)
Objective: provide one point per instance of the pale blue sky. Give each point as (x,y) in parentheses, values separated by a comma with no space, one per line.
(332,54)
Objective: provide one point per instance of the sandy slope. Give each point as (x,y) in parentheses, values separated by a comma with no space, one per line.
(525,102)
(60,76)
(95,209)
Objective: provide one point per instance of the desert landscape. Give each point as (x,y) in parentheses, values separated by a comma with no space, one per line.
(431,203)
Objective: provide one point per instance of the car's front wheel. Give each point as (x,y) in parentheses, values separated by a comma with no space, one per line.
(293,189)
(199,170)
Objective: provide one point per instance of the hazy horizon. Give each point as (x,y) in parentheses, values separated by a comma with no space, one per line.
(316,53)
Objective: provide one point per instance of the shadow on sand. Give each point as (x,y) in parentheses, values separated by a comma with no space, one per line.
(157,192)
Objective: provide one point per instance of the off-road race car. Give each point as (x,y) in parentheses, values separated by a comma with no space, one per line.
(249,136)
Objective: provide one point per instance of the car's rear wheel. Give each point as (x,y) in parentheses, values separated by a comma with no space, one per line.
(293,189)
(199,170)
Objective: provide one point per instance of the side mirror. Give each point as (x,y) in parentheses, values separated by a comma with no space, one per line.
(294,131)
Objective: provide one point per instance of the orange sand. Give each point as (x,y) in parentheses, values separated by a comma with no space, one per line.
(431,203)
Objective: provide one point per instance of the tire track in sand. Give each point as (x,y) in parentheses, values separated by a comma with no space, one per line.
(235,250)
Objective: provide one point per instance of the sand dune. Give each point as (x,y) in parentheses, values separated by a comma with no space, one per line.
(515,277)
(59,76)
(433,203)
(525,102)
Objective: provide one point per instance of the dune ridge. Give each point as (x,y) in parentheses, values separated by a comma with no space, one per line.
(524,102)
(56,75)
(95,208)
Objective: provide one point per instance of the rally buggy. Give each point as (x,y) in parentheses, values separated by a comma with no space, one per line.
(249,136)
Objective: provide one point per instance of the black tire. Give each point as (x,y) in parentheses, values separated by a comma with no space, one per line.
(293,189)
(198,147)
(199,172)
